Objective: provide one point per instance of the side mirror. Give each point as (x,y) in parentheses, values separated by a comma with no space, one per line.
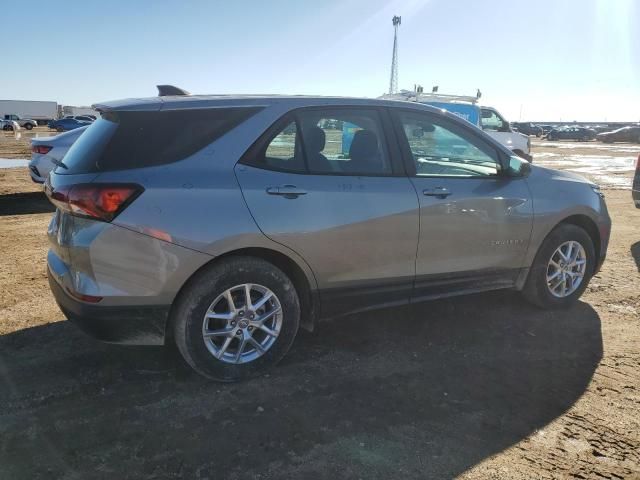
(505,127)
(517,167)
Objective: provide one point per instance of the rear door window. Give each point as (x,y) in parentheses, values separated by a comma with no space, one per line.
(125,140)
(341,141)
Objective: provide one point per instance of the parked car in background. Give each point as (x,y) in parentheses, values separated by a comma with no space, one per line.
(624,134)
(47,152)
(546,129)
(310,222)
(86,118)
(66,124)
(527,128)
(25,123)
(7,125)
(571,133)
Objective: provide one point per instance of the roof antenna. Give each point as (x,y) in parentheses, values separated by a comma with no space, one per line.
(168,90)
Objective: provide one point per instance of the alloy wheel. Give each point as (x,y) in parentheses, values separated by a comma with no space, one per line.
(242,323)
(566,269)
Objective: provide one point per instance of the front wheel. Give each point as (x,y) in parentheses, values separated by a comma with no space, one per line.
(561,269)
(236,318)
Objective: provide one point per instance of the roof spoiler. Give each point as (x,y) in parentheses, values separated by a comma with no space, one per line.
(168,90)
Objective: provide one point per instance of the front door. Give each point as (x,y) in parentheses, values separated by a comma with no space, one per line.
(475,222)
(324,183)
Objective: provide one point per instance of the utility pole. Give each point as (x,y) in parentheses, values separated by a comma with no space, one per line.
(393,82)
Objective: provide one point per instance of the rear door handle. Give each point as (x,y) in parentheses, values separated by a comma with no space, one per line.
(287,191)
(439,192)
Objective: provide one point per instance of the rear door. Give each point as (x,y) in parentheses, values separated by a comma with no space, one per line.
(325,183)
(475,223)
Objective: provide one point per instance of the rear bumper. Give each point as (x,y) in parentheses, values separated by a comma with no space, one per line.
(139,325)
(35,175)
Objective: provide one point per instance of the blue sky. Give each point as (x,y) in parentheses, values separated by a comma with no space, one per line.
(542,60)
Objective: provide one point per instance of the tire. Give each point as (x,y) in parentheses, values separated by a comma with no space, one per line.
(551,138)
(536,290)
(28,126)
(209,285)
(59,129)
(586,138)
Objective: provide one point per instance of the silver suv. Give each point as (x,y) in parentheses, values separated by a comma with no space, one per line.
(225,223)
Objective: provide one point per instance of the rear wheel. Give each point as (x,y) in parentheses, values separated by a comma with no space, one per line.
(236,319)
(28,126)
(562,268)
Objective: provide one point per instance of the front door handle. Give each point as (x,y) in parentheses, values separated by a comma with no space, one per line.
(439,192)
(287,191)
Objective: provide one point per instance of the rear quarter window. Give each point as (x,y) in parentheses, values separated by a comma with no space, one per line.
(125,140)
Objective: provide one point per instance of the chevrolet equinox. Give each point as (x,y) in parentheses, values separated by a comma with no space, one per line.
(225,223)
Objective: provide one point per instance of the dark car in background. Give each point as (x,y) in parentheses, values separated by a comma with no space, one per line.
(571,133)
(546,129)
(624,134)
(66,124)
(527,128)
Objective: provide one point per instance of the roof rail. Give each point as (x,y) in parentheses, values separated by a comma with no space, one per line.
(168,90)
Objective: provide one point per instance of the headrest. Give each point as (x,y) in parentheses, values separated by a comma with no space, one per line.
(314,139)
(364,145)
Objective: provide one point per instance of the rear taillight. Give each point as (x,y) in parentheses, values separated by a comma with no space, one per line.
(42,149)
(98,201)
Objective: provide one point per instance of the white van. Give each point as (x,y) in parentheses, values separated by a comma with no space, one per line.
(486,118)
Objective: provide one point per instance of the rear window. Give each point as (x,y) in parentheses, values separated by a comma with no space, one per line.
(124,140)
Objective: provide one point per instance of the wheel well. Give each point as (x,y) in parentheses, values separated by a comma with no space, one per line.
(588,226)
(308,305)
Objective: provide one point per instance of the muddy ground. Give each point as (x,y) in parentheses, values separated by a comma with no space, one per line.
(482,387)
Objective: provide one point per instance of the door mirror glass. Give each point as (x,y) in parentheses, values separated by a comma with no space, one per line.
(518,167)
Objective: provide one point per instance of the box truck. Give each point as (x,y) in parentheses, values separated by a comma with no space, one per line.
(40,111)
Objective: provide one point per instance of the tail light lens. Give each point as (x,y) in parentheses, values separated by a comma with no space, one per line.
(98,201)
(42,149)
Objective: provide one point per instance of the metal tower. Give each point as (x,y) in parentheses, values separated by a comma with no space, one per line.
(393,82)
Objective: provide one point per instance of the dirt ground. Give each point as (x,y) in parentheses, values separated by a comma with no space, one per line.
(481,387)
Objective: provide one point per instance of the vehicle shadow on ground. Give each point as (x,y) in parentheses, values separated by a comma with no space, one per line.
(635,253)
(418,392)
(24,204)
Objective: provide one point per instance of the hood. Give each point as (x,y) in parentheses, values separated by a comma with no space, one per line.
(559,175)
